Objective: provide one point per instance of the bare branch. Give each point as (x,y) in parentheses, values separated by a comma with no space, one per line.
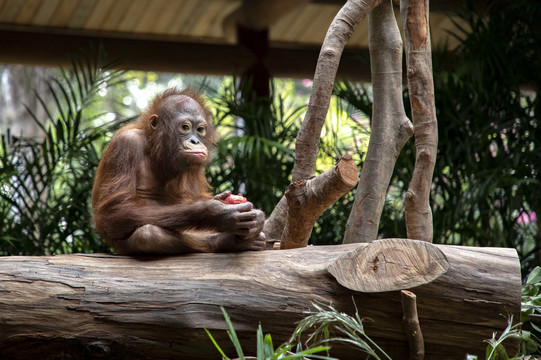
(308,199)
(414,15)
(412,326)
(306,147)
(390,128)
(339,32)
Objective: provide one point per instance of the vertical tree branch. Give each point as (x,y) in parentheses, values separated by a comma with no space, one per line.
(411,325)
(390,128)
(306,146)
(414,15)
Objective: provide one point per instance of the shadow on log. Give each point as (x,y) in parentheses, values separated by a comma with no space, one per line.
(113,307)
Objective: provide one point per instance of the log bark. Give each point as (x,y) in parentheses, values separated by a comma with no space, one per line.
(415,23)
(113,307)
(308,199)
(390,128)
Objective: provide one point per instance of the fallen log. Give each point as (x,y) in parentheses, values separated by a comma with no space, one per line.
(114,307)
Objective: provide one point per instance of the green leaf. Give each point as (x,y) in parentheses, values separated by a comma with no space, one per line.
(535,276)
(260,344)
(232,334)
(216,345)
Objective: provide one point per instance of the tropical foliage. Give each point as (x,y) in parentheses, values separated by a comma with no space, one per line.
(45,183)
(486,182)
(265,348)
(327,327)
(256,150)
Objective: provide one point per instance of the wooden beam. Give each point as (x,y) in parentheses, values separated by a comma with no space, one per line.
(443,6)
(39,46)
(258,73)
(25,47)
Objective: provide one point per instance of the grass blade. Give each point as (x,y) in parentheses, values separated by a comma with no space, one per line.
(224,356)
(233,335)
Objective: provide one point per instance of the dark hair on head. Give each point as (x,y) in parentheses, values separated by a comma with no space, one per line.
(152,108)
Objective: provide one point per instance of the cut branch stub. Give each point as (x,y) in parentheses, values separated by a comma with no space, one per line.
(389,265)
(412,326)
(308,199)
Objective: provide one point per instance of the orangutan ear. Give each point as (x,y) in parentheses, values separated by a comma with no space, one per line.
(153,121)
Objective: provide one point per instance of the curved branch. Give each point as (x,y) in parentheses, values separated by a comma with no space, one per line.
(306,146)
(340,30)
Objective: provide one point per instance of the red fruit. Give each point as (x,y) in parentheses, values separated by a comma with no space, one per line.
(235,199)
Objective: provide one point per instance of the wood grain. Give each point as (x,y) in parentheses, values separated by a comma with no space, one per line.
(388,265)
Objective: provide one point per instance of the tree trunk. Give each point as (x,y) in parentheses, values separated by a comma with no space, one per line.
(390,128)
(114,307)
(18,95)
(418,213)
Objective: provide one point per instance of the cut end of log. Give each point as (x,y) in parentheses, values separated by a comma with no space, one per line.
(389,265)
(347,170)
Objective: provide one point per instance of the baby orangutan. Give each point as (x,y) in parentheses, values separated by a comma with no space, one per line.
(150,195)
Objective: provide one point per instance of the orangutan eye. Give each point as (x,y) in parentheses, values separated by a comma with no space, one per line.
(185,127)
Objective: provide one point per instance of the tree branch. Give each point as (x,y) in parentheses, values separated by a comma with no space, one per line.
(339,32)
(414,15)
(308,199)
(390,128)
(411,325)
(306,146)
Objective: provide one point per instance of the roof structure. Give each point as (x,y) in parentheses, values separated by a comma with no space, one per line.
(190,36)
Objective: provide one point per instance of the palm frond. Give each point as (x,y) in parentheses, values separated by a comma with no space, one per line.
(46,182)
